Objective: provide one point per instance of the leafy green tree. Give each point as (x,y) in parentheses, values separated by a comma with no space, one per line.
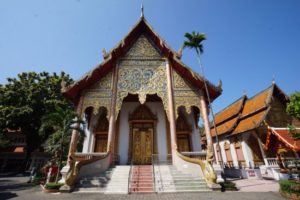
(60,123)
(26,99)
(293,108)
(4,142)
(194,41)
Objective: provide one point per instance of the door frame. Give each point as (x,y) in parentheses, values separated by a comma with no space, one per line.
(141,124)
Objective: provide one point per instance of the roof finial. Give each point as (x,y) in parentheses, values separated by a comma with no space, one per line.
(273,79)
(245,92)
(142,10)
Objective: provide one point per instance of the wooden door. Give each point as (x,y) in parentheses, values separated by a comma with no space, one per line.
(100,143)
(183,143)
(142,146)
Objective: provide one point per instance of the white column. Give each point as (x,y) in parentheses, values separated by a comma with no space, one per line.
(247,153)
(233,154)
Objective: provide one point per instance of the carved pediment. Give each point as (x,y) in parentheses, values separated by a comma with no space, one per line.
(143,48)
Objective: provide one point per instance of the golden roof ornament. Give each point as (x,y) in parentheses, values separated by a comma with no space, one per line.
(142,11)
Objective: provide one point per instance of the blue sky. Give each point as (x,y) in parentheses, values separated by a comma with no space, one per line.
(249,41)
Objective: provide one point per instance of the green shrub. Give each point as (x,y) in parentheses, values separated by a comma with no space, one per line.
(290,186)
(228,185)
(54,186)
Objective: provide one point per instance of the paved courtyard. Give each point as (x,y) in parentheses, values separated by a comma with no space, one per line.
(17,188)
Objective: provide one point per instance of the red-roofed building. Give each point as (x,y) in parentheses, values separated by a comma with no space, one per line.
(13,156)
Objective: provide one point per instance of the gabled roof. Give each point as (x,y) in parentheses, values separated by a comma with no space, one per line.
(141,27)
(227,119)
(282,135)
(247,114)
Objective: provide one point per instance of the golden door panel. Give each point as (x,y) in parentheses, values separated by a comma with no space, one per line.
(183,143)
(100,143)
(142,146)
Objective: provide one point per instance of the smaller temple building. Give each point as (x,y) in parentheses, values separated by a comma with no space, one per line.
(251,138)
(13,156)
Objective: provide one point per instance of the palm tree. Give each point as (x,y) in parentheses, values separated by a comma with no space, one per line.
(195,41)
(60,124)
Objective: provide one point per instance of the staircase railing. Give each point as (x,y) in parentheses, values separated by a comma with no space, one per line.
(129,177)
(195,154)
(158,177)
(153,172)
(78,160)
(206,168)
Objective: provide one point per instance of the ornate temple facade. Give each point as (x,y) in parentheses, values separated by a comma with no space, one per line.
(141,103)
(253,138)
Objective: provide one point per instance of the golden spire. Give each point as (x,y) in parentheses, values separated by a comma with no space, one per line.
(142,10)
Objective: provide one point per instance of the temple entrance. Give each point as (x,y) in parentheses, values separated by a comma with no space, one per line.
(142,136)
(142,145)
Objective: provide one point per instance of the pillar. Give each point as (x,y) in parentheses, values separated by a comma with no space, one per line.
(204,114)
(171,110)
(112,118)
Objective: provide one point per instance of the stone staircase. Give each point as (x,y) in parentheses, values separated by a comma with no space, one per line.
(141,180)
(114,180)
(169,179)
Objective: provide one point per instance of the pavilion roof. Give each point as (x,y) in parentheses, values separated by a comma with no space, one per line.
(227,118)
(141,27)
(282,135)
(246,114)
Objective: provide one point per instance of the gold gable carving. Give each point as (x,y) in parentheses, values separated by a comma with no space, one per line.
(185,94)
(142,71)
(143,48)
(99,95)
(142,80)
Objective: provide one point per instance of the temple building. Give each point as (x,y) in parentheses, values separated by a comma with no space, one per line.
(142,106)
(253,135)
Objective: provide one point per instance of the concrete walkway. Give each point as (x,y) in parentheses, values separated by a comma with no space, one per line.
(16,188)
(248,185)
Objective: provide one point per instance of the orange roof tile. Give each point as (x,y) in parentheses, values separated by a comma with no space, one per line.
(257,102)
(19,150)
(244,115)
(225,127)
(282,134)
(250,122)
(227,118)
(230,110)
